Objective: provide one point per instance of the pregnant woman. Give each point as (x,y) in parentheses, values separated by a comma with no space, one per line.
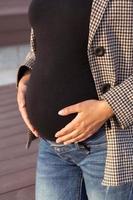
(59,103)
(61,75)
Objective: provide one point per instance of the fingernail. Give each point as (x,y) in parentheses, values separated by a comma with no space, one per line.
(56,135)
(65,143)
(36,134)
(60,112)
(58,141)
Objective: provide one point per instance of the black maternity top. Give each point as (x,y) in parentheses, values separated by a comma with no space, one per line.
(61,75)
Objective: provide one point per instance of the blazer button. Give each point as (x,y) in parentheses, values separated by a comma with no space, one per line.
(99,51)
(105,88)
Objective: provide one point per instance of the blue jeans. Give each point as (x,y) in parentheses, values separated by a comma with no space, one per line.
(75,171)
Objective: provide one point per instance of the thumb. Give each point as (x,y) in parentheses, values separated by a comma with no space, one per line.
(69,110)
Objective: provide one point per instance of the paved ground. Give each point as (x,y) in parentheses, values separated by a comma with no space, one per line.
(17,165)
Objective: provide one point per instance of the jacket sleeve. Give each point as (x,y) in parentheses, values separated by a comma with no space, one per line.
(29,60)
(120,98)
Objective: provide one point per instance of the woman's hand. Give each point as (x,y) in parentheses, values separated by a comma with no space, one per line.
(22,87)
(91,115)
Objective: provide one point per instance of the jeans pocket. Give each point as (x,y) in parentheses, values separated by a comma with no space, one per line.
(96,140)
(122,192)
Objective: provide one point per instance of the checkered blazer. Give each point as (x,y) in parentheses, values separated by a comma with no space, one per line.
(110,54)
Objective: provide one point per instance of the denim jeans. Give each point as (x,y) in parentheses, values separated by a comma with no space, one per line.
(75,171)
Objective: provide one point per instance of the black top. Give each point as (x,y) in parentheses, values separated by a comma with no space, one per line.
(61,75)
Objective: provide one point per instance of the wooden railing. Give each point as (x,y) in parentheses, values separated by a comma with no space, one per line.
(14,25)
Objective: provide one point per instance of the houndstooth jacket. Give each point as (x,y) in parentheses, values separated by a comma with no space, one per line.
(110,54)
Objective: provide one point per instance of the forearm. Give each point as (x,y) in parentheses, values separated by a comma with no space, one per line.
(21,72)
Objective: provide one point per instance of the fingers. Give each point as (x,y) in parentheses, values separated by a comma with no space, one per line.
(79,138)
(68,128)
(22,108)
(68,137)
(76,137)
(70,109)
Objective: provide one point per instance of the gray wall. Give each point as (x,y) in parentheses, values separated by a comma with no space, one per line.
(11,58)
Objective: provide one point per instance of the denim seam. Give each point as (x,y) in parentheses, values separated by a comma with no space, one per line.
(90,151)
(107,192)
(97,145)
(72,162)
(59,152)
(130,192)
(80,188)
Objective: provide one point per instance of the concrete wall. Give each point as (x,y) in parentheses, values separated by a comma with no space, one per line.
(10,59)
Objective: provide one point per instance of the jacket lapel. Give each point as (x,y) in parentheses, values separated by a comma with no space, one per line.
(98,9)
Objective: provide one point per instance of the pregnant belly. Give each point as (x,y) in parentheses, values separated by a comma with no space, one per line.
(46,96)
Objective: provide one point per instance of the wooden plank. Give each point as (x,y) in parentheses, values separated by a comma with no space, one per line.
(7,88)
(21,194)
(18,150)
(8,102)
(8,7)
(13,3)
(18,164)
(10,122)
(17,180)
(14,130)
(8,108)
(14,22)
(9,95)
(7,115)
(12,140)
